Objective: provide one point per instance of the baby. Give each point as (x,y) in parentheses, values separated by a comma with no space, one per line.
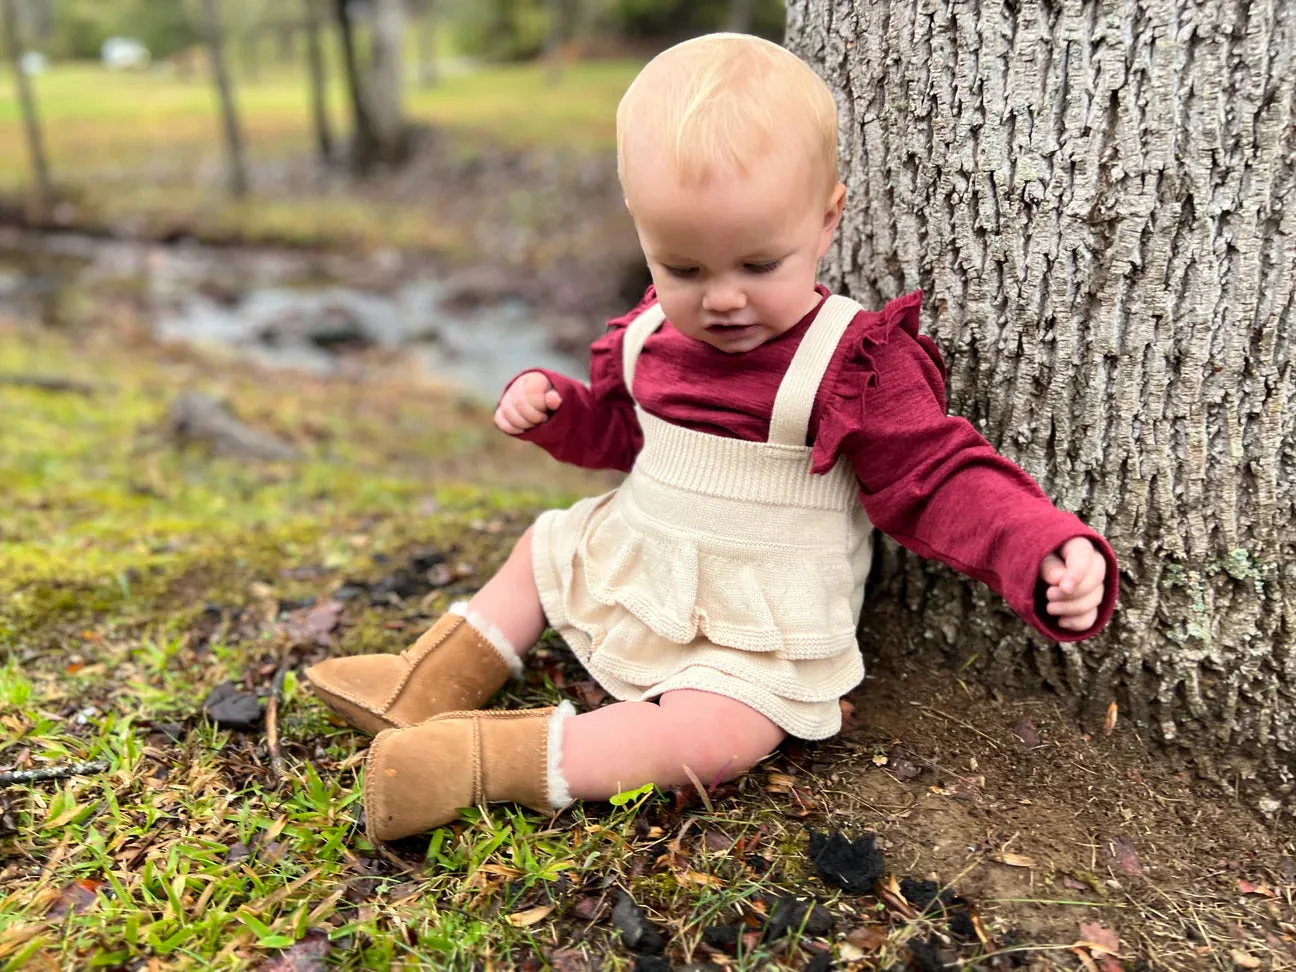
(767,427)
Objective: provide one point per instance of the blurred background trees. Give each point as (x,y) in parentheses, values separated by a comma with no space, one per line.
(503,29)
(373,49)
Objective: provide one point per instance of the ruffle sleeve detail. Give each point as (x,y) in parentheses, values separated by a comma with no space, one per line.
(853,371)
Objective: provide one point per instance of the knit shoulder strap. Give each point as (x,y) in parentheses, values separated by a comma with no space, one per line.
(637,334)
(790,421)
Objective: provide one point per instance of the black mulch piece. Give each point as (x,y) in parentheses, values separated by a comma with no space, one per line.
(792,914)
(927,897)
(415,579)
(229,708)
(1013,938)
(821,962)
(636,931)
(652,963)
(853,866)
(723,937)
(926,957)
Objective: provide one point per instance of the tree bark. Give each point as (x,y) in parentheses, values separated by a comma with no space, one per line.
(27,103)
(1091,193)
(315,62)
(238,180)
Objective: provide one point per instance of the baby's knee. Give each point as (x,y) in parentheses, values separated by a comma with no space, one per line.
(720,748)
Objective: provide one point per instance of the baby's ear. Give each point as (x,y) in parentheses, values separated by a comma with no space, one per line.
(832,217)
(836,202)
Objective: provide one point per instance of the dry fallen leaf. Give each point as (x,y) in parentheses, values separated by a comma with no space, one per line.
(1102,944)
(500,869)
(849,952)
(524,919)
(1121,853)
(870,938)
(1244,960)
(1027,733)
(888,889)
(779,783)
(1110,722)
(1099,938)
(1013,860)
(697,877)
(1249,887)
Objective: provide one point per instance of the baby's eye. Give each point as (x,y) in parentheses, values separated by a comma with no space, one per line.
(683,273)
(768,267)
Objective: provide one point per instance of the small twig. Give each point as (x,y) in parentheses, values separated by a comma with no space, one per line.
(272,718)
(706,799)
(49,383)
(14,777)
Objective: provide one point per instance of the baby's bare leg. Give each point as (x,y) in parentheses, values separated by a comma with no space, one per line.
(510,600)
(626,745)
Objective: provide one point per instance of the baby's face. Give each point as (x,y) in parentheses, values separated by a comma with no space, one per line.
(735,260)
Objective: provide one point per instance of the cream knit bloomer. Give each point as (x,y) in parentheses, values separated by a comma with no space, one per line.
(719,564)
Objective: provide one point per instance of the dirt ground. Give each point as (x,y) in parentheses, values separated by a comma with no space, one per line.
(1049,831)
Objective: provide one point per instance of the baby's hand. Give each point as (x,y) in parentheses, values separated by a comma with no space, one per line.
(526,403)
(1075,582)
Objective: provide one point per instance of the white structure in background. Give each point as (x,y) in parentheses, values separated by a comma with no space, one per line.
(33,63)
(124,54)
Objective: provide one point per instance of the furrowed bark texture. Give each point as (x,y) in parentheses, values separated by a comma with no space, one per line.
(1097,198)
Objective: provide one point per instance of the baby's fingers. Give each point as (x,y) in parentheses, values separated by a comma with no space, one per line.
(504,423)
(514,418)
(1082,623)
(1076,605)
(1053,570)
(527,410)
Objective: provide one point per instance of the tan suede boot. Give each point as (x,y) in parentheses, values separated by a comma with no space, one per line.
(459,663)
(416,779)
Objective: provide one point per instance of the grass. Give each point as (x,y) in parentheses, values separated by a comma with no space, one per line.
(136,575)
(147,147)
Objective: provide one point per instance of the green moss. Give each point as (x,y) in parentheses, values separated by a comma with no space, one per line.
(109,520)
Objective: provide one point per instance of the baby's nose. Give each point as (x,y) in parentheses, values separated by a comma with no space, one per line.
(723,299)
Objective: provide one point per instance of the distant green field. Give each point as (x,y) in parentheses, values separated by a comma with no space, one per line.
(93,116)
(128,142)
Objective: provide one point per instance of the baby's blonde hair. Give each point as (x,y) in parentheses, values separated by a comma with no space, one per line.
(719,101)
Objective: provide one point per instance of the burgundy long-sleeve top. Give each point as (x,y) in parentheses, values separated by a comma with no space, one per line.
(926,479)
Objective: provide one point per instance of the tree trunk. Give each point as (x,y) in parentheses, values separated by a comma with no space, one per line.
(554,40)
(315,62)
(1091,193)
(364,143)
(386,79)
(27,103)
(238,180)
(251,51)
(427,44)
(285,41)
(740,16)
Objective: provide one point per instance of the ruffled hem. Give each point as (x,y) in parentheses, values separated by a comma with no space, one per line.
(632,663)
(683,589)
(852,373)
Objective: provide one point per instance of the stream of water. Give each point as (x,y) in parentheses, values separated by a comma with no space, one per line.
(285,310)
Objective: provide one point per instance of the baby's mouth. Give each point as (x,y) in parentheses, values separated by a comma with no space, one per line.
(725,328)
